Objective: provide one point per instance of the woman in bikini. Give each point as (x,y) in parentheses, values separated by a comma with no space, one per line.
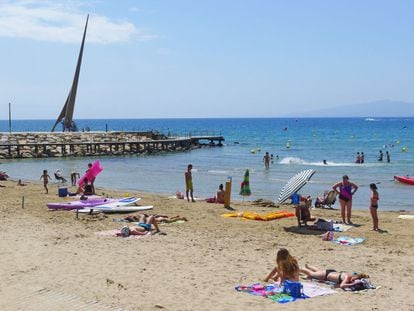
(374,206)
(341,278)
(287,268)
(346,190)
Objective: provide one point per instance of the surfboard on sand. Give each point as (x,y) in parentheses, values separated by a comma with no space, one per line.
(119,203)
(115,209)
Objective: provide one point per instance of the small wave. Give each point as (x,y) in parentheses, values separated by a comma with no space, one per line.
(292,160)
(299,161)
(371,119)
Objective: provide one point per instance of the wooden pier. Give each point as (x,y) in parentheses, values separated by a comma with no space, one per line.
(67,148)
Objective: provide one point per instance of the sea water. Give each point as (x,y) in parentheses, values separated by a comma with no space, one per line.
(296,144)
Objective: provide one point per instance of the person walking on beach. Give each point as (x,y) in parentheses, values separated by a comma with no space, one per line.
(388,156)
(346,190)
(266,160)
(45,176)
(73,177)
(374,206)
(189,183)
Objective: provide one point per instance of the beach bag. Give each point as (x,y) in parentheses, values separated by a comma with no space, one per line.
(325,225)
(294,289)
(328,236)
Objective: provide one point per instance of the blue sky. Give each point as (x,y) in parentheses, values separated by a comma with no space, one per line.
(204,58)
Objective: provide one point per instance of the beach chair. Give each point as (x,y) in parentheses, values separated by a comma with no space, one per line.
(328,199)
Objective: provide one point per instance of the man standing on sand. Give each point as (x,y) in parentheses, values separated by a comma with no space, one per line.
(92,181)
(189,183)
(266,160)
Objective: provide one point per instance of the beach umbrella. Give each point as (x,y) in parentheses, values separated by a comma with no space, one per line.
(295,184)
(245,188)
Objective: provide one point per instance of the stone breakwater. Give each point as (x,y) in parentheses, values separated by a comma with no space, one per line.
(41,145)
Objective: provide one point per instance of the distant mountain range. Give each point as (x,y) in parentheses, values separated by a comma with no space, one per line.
(381,108)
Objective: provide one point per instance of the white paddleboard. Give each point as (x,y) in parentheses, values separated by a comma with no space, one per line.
(119,203)
(113,210)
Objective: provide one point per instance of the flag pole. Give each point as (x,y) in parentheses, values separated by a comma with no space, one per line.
(9,117)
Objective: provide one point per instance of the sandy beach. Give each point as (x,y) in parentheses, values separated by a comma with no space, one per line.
(52,261)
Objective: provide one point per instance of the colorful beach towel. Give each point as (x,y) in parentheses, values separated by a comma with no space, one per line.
(346,240)
(257,216)
(275,292)
(272,291)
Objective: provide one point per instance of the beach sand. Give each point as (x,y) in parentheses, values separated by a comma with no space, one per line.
(49,260)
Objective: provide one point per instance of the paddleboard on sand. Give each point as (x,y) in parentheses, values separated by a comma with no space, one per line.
(79,204)
(114,210)
(119,203)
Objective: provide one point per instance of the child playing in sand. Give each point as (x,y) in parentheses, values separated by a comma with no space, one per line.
(374,206)
(287,268)
(45,176)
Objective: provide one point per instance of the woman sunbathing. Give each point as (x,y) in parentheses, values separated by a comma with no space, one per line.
(341,278)
(144,227)
(158,218)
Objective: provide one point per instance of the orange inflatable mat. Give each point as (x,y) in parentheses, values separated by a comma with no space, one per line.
(261,217)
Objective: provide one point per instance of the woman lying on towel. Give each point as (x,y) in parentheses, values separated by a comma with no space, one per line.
(145,226)
(287,268)
(342,279)
(158,218)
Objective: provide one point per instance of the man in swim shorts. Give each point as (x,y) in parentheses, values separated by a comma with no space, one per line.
(189,183)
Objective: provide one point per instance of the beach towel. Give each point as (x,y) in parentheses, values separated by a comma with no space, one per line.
(313,290)
(272,291)
(275,292)
(406,216)
(346,240)
(257,216)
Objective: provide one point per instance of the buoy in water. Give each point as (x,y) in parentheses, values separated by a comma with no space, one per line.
(253,151)
(404,149)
